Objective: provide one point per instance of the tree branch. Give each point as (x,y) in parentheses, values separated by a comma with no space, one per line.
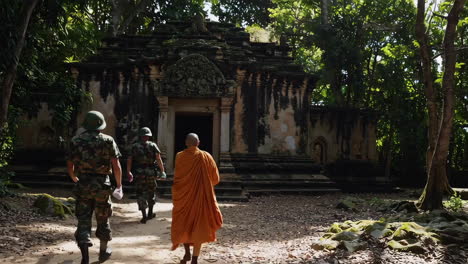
(438,15)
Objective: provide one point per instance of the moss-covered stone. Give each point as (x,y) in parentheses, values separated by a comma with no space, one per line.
(378,229)
(345,236)
(405,206)
(51,205)
(335,228)
(406,236)
(354,245)
(404,245)
(347,204)
(325,244)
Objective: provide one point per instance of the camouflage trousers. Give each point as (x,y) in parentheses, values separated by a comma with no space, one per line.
(145,191)
(92,197)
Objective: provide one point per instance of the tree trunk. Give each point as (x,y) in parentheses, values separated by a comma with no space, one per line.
(436,186)
(388,152)
(437,183)
(10,72)
(428,80)
(324,8)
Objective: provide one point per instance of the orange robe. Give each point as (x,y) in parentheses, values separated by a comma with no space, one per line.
(196,215)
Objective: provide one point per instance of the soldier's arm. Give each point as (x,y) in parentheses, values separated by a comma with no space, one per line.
(129,169)
(159,161)
(129,164)
(71,171)
(117,171)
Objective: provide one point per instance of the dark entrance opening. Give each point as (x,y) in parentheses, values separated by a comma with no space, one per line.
(198,123)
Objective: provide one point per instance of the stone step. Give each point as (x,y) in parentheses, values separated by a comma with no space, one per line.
(232,198)
(222,193)
(286,182)
(310,191)
(237,188)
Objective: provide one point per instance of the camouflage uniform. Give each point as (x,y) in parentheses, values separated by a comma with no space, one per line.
(144,166)
(91,153)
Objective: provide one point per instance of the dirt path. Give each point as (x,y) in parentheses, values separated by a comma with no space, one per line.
(277,229)
(132,243)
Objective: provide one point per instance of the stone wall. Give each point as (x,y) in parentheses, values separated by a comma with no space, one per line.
(270,114)
(342,133)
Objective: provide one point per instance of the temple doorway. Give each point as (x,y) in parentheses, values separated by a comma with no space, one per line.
(183,116)
(192,122)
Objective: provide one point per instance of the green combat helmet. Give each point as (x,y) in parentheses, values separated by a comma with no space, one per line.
(144,131)
(94,120)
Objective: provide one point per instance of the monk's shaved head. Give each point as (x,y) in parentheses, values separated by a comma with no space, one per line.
(192,140)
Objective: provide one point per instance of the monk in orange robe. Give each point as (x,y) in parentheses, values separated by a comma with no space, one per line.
(196,215)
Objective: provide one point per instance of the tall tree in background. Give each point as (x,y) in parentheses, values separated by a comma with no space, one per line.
(441,110)
(243,12)
(11,65)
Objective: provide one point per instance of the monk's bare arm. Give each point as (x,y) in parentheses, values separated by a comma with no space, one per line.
(71,171)
(214,173)
(176,164)
(117,171)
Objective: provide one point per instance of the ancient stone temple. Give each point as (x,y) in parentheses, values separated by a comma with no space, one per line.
(249,102)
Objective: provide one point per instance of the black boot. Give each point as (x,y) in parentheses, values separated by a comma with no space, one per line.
(143,220)
(104,251)
(194,260)
(151,215)
(84,253)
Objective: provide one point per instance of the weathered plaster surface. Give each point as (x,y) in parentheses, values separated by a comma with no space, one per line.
(104,105)
(37,132)
(347,135)
(238,141)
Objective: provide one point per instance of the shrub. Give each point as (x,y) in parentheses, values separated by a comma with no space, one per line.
(455,203)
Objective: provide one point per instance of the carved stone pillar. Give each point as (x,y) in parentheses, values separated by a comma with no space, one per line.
(226,105)
(226,168)
(162,125)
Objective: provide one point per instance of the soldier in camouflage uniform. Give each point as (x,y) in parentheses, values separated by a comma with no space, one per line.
(92,158)
(143,158)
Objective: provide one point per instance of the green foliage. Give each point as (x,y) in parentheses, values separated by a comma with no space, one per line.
(455,203)
(8,14)
(5,180)
(243,12)
(7,141)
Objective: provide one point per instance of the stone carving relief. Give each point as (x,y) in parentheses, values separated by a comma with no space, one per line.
(194,76)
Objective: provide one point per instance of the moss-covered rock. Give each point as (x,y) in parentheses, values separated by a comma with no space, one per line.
(406,236)
(405,206)
(403,245)
(325,244)
(335,228)
(412,230)
(54,206)
(345,236)
(354,245)
(349,204)
(378,229)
